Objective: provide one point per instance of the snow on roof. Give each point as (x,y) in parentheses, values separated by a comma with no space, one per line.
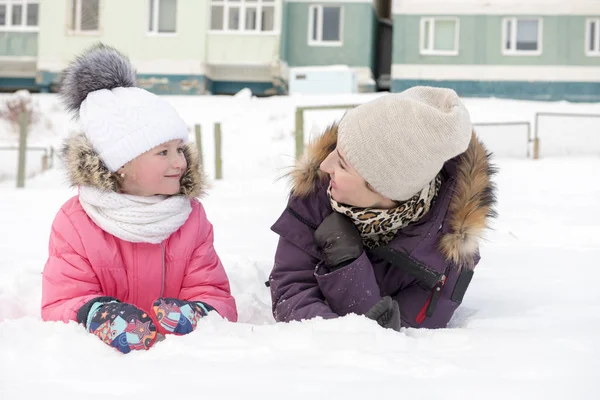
(313,68)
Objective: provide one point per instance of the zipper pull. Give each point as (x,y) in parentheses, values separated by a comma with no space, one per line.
(437,291)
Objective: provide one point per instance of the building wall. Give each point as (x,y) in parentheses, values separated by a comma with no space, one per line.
(358,29)
(18,54)
(18,44)
(164,55)
(128,29)
(242,49)
(480,41)
(562,71)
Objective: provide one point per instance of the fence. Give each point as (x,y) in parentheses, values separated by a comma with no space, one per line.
(532,142)
(47,160)
(299,134)
(571,137)
(500,145)
(218,148)
(528,140)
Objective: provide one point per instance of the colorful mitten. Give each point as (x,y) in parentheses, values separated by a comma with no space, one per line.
(179,316)
(120,325)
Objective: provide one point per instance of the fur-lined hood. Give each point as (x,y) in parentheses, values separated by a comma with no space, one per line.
(471,207)
(85,168)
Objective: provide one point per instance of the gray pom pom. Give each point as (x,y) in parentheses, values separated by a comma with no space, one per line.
(99,67)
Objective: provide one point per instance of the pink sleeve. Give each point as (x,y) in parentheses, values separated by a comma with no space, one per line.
(68,281)
(205,279)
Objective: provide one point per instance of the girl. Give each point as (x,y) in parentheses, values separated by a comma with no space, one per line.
(385,215)
(132,255)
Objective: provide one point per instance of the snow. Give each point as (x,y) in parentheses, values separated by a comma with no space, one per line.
(527,328)
(319,68)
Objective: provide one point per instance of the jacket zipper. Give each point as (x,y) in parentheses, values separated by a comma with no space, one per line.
(162,252)
(429,307)
(431,304)
(302,219)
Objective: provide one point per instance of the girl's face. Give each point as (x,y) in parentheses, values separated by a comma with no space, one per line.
(348,187)
(156,172)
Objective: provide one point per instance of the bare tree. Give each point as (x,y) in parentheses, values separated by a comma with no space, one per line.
(14,105)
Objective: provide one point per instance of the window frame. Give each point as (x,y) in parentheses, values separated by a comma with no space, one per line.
(156,19)
(427,49)
(514,26)
(596,51)
(23,27)
(243,5)
(76,30)
(319,42)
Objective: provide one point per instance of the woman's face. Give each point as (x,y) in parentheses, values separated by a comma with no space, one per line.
(348,187)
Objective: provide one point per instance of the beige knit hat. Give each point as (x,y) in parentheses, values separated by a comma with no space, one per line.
(399,142)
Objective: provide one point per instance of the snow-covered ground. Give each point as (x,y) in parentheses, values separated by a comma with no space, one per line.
(528,327)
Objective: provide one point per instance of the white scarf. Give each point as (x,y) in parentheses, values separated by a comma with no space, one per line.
(135,218)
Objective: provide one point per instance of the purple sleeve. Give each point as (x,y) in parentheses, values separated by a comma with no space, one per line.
(295,292)
(350,289)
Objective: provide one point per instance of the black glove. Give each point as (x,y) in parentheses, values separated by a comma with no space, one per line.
(339,239)
(386,312)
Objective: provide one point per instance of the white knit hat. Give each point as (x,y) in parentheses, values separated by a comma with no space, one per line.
(399,142)
(120,120)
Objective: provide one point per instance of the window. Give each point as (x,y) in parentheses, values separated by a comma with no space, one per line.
(592,37)
(522,36)
(163,16)
(19,15)
(85,15)
(325,25)
(439,36)
(242,15)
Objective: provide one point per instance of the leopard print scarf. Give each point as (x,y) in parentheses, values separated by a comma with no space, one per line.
(379,226)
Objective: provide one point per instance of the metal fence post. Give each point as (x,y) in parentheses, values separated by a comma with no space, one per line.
(23,122)
(299,134)
(218,159)
(198,130)
(536,148)
(45,162)
(299,131)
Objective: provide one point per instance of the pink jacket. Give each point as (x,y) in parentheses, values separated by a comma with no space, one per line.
(86,262)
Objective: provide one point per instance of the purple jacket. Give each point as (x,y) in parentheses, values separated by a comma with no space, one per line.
(426,268)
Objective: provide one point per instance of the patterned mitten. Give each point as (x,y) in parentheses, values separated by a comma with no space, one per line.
(179,316)
(120,325)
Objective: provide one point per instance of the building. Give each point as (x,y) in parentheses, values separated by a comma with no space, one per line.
(336,32)
(528,49)
(177,46)
(19,31)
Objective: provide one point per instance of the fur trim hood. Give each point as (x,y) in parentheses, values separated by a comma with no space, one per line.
(471,207)
(85,168)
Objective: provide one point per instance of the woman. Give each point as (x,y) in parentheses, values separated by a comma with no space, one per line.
(385,214)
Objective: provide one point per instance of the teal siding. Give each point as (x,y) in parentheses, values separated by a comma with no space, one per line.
(357,37)
(543,91)
(10,84)
(257,88)
(18,44)
(284,35)
(173,84)
(178,84)
(563,41)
